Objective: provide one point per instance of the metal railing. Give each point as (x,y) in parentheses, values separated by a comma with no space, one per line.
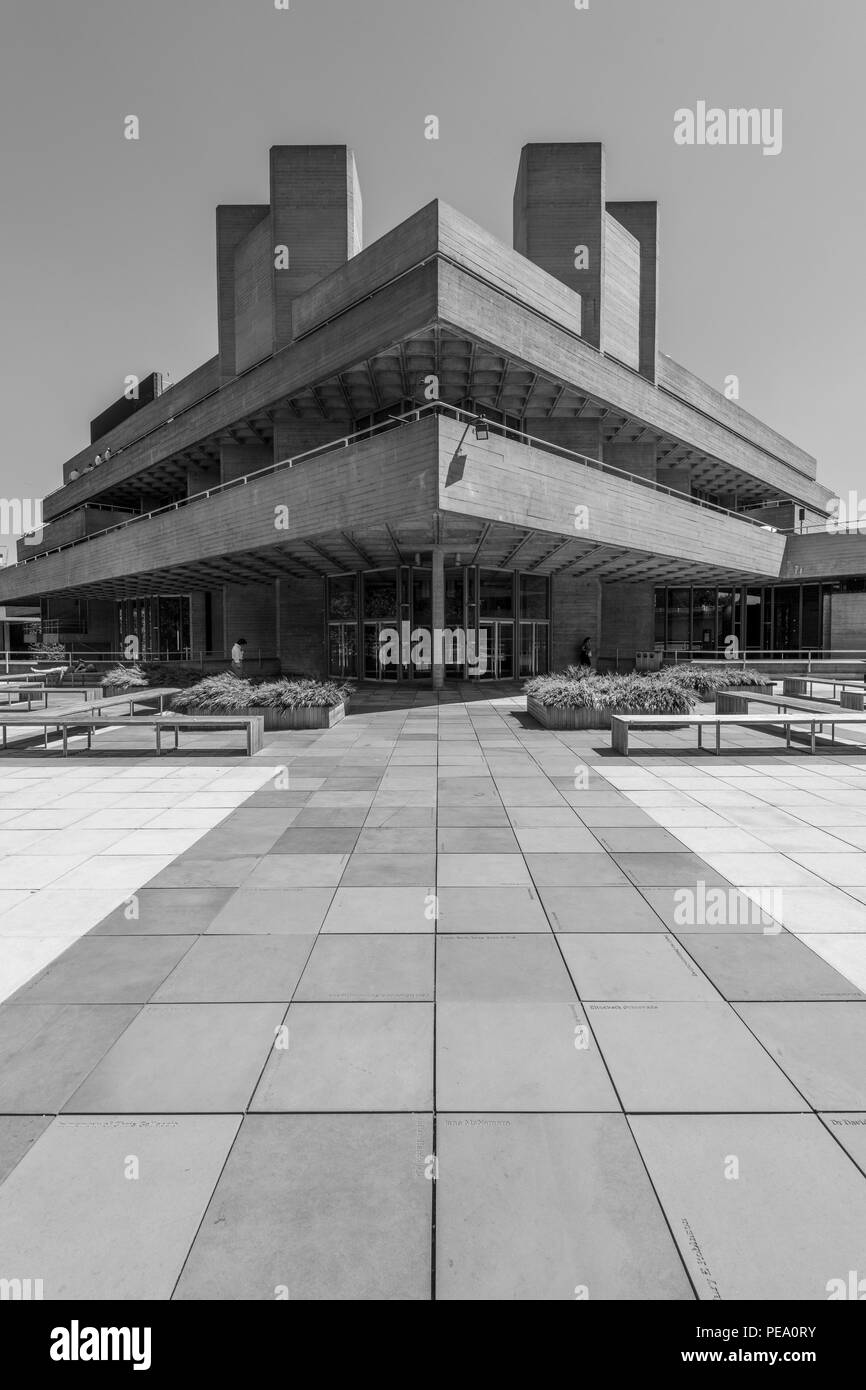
(411,417)
(187,656)
(811,655)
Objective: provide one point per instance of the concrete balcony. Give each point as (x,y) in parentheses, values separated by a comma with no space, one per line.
(371,501)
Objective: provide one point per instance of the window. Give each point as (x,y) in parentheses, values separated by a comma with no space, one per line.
(533,596)
(342,598)
(497,594)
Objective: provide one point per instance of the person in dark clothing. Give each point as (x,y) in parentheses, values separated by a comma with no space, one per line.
(585,653)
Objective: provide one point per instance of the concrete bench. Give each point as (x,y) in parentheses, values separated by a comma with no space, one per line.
(87,693)
(23,693)
(738,701)
(805,685)
(252,725)
(621,724)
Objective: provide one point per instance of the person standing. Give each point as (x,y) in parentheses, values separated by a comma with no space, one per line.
(585,654)
(238,653)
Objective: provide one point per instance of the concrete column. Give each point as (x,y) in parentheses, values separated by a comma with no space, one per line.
(438,615)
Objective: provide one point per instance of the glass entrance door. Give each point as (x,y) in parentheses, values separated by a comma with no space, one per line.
(533,649)
(498,640)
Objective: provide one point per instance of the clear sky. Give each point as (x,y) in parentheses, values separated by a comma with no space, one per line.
(107,263)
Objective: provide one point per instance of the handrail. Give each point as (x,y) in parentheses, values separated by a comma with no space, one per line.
(432,408)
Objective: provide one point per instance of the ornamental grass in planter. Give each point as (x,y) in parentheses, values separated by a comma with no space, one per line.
(124,678)
(707,680)
(285,704)
(587,700)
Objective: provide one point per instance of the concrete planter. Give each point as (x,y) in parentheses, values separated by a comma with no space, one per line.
(304,717)
(571,716)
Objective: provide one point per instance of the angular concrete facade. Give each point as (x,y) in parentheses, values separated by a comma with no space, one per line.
(438,431)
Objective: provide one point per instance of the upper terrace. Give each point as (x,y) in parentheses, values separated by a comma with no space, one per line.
(384,493)
(438,296)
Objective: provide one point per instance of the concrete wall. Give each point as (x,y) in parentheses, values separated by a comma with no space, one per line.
(250,611)
(233,225)
(254,296)
(633,458)
(581,436)
(575,611)
(558,206)
(642,220)
(316,214)
(621,310)
(302,616)
(627,623)
(236,460)
(847,622)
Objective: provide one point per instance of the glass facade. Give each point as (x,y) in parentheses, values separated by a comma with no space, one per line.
(500,615)
(159,625)
(765,620)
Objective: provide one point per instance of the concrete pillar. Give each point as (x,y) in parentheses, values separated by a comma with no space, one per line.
(438,615)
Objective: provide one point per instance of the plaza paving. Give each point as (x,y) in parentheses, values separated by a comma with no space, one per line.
(252,1005)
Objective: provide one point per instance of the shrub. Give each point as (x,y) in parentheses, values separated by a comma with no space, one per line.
(706,680)
(124,678)
(286,694)
(222,694)
(228,693)
(633,694)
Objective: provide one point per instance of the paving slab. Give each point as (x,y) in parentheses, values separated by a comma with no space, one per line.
(325,1207)
(378,910)
(526,967)
(46,1050)
(533,1207)
(513,1054)
(467,839)
(297,871)
(513,909)
(821,1047)
(765,967)
(272,911)
(648,966)
(69,1210)
(186,872)
(389,870)
(368,967)
(718,908)
(481,870)
(107,970)
(599,908)
(238,969)
(679,870)
(638,840)
(849,1130)
(574,870)
(165,912)
(793,1220)
(687,1057)
(553,839)
(17,1134)
(351,1057)
(334,840)
(182,1058)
